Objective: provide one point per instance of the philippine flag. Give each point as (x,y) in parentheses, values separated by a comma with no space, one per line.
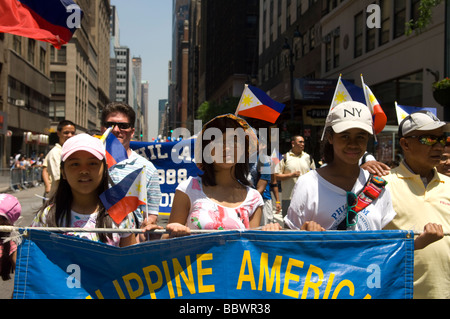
(379,117)
(255,103)
(115,152)
(126,196)
(403,111)
(53,21)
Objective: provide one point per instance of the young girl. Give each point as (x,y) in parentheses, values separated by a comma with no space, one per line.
(326,198)
(222,197)
(76,203)
(10,211)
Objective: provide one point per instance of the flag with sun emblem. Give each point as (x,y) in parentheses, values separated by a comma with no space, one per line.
(126,196)
(379,117)
(255,103)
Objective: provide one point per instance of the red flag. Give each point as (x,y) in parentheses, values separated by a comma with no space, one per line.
(52,21)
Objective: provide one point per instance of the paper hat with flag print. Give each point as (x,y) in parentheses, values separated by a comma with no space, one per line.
(115,152)
(126,196)
(53,21)
(379,117)
(255,103)
(403,111)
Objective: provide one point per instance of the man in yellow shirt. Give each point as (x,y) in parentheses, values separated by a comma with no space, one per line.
(295,163)
(421,198)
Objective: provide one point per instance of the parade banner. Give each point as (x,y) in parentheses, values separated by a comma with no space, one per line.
(220,265)
(174,162)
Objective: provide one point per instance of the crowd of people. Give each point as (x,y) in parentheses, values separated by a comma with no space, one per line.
(343,194)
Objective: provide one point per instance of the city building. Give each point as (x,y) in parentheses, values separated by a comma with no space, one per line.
(24,97)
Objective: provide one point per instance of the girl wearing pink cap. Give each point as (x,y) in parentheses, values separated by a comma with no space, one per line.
(76,203)
(10,211)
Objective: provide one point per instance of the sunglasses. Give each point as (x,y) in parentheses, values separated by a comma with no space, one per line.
(352,216)
(430,140)
(122,126)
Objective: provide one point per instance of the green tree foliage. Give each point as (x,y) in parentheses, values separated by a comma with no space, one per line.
(425,17)
(208,110)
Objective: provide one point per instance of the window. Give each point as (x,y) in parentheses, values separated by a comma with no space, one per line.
(370,39)
(359,24)
(336,49)
(399,17)
(385,6)
(58,82)
(42,58)
(31,50)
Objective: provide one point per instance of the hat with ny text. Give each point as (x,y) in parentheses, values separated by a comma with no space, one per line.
(348,115)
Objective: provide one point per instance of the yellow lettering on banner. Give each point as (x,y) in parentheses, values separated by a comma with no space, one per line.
(152,286)
(133,293)
(168,279)
(289,276)
(329,285)
(118,289)
(313,285)
(99,294)
(344,283)
(246,260)
(203,272)
(274,274)
(188,280)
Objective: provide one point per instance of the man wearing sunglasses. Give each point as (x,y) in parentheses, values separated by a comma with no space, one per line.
(421,198)
(121,117)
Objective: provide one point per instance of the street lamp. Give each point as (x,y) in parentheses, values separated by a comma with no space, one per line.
(288,47)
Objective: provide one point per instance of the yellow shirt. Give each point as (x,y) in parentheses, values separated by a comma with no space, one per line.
(292,163)
(416,206)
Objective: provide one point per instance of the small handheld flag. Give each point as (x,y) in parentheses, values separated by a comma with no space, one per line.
(115,152)
(126,196)
(379,118)
(403,111)
(255,103)
(53,21)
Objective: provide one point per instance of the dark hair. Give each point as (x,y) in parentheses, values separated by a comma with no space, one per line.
(64,123)
(326,147)
(61,205)
(120,107)
(6,265)
(241,169)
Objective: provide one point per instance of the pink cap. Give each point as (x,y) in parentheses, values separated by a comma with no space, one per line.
(83,142)
(10,208)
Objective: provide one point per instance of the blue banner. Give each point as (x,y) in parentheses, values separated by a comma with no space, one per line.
(221,265)
(174,162)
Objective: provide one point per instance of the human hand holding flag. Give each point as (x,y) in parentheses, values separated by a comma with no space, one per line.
(126,196)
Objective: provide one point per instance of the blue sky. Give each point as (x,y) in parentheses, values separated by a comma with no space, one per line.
(146,28)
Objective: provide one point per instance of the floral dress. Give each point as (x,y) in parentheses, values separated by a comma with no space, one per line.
(206,214)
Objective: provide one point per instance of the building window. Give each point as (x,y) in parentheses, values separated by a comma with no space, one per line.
(399,17)
(358,35)
(370,39)
(58,82)
(328,54)
(31,50)
(336,50)
(42,58)
(385,6)
(17,44)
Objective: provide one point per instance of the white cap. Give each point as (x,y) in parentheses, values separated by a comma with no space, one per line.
(348,115)
(421,121)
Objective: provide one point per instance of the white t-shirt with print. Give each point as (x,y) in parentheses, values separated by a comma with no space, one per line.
(316,199)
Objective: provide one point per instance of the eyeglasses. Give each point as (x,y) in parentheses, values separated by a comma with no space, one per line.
(430,140)
(122,126)
(352,216)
